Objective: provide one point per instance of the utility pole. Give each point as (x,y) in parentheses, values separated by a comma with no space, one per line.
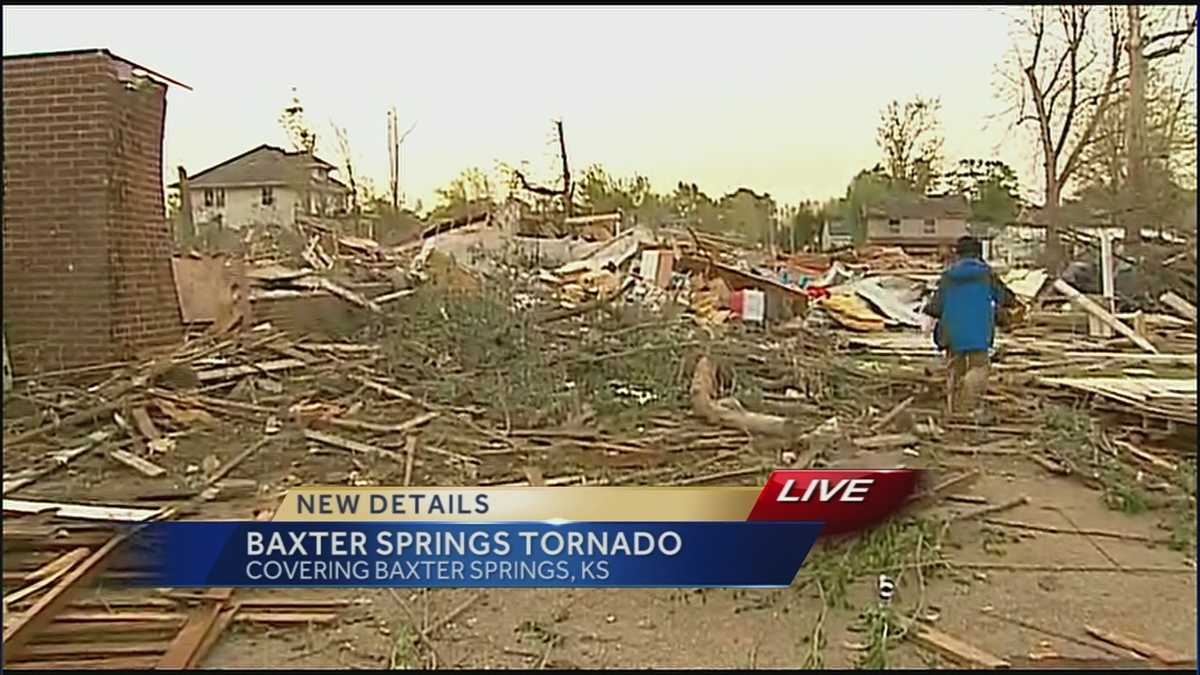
(393,160)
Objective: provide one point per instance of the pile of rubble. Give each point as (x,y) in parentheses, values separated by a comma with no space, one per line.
(665,358)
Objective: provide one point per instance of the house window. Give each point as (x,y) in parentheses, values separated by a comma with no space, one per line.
(894,225)
(214,197)
(268,196)
(930,226)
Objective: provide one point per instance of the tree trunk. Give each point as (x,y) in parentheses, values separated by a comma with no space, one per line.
(1054,252)
(1135,130)
(566,171)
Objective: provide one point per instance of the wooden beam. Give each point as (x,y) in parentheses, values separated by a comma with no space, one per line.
(38,617)
(1089,306)
(1185,309)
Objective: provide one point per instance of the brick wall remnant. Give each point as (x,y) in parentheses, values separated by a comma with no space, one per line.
(87,248)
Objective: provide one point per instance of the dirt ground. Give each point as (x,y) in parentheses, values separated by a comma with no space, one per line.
(744,628)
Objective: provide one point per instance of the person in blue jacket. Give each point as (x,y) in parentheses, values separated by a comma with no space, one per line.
(965,305)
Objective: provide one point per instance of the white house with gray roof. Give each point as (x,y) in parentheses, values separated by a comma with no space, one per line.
(266,186)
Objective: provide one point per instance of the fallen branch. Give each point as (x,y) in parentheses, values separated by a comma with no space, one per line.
(704,385)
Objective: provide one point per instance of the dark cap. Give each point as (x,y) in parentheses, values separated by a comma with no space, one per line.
(968,247)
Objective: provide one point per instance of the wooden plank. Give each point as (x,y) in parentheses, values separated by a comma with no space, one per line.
(382,428)
(1087,305)
(61,563)
(205,625)
(65,563)
(38,617)
(84,616)
(81,511)
(1163,654)
(352,446)
(1083,663)
(59,460)
(120,663)
(214,635)
(1186,309)
(141,419)
(109,629)
(183,648)
(65,651)
(203,288)
(286,617)
(142,466)
(953,648)
(886,441)
(217,374)
(233,463)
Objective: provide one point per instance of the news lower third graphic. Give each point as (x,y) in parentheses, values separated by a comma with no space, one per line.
(526,537)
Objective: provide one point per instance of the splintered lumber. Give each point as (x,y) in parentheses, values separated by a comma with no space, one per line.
(1183,307)
(1082,663)
(704,385)
(141,419)
(56,567)
(382,428)
(58,460)
(218,374)
(232,464)
(953,648)
(62,566)
(892,414)
(145,467)
(1105,317)
(283,618)
(347,444)
(886,441)
(1163,654)
(41,614)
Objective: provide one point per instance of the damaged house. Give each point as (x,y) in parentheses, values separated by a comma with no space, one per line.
(266,186)
(918,222)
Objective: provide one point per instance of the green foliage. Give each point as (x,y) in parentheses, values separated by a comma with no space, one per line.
(692,205)
(991,188)
(472,191)
(748,213)
(806,222)
(868,187)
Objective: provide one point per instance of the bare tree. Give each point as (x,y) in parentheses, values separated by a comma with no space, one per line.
(395,140)
(1154,34)
(343,144)
(567,191)
(1067,75)
(910,137)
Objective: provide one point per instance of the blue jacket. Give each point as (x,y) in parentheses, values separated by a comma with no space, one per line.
(965,305)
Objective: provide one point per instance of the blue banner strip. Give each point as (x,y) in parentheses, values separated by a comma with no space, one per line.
(459,555)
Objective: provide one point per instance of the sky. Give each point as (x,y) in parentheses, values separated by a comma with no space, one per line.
(780,100)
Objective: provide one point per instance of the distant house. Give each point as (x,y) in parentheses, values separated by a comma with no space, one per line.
(836,234)
(266,186)
(918,222)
